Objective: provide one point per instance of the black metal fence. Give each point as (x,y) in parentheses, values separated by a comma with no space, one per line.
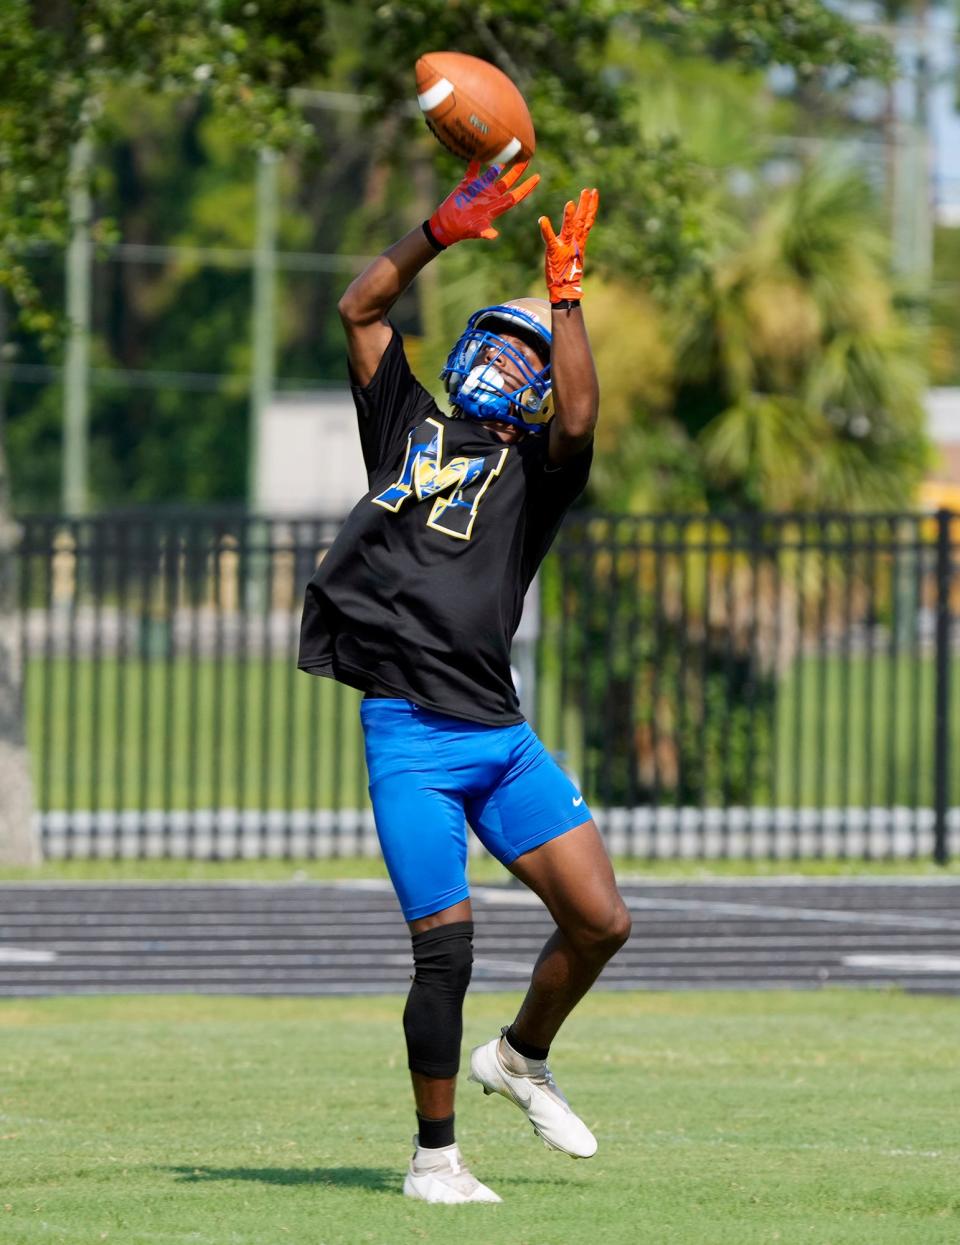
(721,686)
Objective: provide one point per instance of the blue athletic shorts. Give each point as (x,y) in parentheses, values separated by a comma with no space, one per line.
(431,773)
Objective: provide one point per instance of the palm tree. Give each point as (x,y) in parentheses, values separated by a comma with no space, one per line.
(801,385)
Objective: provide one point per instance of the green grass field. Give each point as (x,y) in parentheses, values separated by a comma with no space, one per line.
(483,870)
(724,1119)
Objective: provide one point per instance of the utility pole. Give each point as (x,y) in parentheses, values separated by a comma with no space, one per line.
(263,320)
(912,209)
(76,372)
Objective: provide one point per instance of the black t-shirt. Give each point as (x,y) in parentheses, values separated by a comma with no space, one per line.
(421,592)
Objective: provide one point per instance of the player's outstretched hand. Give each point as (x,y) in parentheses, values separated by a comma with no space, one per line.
(480,198)
(566,250)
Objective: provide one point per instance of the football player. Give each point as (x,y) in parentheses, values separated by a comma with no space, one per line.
(416,603)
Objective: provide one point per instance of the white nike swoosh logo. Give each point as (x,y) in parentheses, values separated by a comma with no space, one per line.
(512,1083)
(523,1097)
(578,801)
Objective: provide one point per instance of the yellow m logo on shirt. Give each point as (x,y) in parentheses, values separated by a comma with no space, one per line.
(457,486)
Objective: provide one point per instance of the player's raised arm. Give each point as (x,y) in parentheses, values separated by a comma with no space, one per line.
(576,391)
(468,212)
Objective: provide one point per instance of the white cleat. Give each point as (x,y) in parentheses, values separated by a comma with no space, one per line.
(442,1176)
(536,1094)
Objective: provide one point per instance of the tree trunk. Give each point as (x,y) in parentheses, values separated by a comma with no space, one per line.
(18,840)
(19,844)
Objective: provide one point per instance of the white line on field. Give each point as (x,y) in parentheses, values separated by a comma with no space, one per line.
(506,895)
(905,963)
(363,884)
(895,920)
(509,897)
(780,912)
(20,955)
(504,966)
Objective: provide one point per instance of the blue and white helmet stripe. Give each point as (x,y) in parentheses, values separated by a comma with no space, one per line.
(476,384)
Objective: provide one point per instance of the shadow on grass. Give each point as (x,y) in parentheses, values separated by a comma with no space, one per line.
(376,1179)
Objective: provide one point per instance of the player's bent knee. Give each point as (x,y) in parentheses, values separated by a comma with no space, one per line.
(433,1016)
(602,939)
(621,928)
(615,934)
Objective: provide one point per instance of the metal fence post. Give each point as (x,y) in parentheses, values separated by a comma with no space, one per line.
(942,691)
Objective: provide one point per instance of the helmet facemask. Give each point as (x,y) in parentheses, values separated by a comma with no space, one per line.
(476,385)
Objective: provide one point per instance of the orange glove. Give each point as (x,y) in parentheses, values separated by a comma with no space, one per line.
(477,201)
(565,253)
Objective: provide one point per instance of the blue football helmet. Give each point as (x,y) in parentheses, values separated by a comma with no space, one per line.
(476,385)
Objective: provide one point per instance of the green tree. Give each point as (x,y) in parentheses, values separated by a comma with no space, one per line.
(59,62)
(178,109)
(802,387)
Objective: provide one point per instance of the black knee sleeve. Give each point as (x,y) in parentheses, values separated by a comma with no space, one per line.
(433,1016)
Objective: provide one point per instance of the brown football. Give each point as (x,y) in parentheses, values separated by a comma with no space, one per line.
(473,108)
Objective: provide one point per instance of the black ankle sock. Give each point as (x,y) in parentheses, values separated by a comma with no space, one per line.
(524,1048)
(434,1134)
